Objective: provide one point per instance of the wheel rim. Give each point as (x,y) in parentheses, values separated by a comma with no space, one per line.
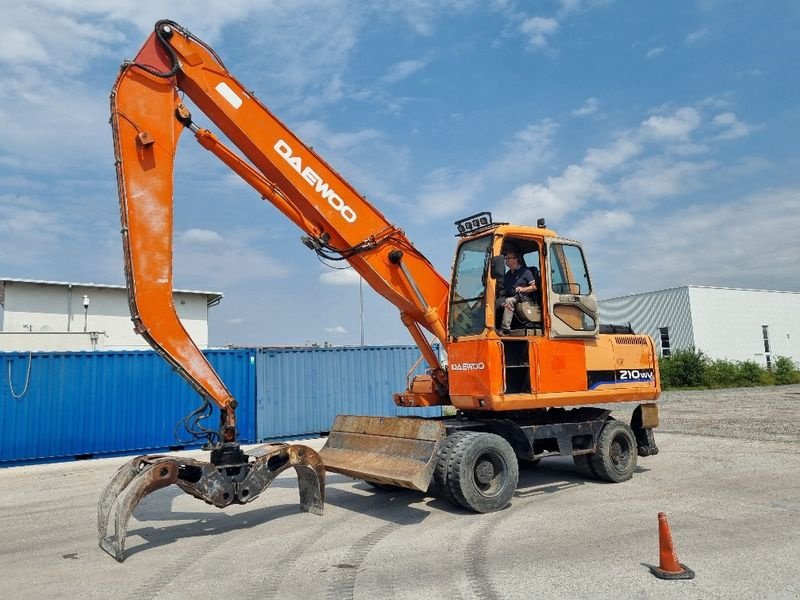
(620,453)
(490,474)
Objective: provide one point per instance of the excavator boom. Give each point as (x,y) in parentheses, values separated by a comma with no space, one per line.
(148,116)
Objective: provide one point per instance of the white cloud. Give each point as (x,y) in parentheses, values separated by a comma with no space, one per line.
(676,126)
(537,30)
(421,15)
(589,107)
(571,6)
(206,259)
(529,148)
(37,240)
(337,329)
(236,321)
(637,166)
(559,197)
(337,277)
(698,35)
(200,236)
(716,246)
(595,227)
(622,149)
(659,177)
(335,140)
(731,127)
(447,191)
(654,52)
(402,70)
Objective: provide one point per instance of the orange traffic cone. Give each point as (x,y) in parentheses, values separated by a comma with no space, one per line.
(669,567)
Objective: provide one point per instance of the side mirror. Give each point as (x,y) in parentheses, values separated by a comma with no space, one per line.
(498,267)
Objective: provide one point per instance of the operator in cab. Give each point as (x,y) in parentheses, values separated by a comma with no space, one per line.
(519,285)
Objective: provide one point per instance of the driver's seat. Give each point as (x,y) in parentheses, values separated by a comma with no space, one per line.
(529,313)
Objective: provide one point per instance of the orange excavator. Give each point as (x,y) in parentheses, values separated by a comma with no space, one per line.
(521,390)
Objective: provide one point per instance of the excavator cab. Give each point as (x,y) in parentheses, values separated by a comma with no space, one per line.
(490,369)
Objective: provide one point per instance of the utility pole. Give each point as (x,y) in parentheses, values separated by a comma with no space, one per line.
(361,305)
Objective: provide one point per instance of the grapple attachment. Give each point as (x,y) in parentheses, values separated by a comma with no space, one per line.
(389,450)
(232,477)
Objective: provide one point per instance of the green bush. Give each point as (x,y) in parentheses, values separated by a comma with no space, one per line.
(750,373)
(683,368)
(665,372)
(721,373)
(785,371)
(692,368)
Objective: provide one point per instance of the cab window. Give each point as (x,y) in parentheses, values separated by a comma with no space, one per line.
(468,308)
(568,272)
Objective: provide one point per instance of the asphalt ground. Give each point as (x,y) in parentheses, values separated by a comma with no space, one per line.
(727,476)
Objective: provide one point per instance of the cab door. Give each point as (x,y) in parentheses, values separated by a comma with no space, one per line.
(570,298)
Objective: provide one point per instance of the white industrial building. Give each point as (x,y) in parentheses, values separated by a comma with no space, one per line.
(56,316)
(725,323)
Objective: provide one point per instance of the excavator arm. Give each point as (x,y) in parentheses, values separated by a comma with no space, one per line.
(148,116)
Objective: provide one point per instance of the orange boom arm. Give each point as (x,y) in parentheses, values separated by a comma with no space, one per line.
(148,117)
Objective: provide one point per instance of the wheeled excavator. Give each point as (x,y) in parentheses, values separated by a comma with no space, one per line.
(518,394)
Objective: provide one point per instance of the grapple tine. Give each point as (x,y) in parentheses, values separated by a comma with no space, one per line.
(272,459)
(119,482)
(131,483)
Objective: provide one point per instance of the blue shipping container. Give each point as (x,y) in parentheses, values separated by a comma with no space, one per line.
(301,390)
(92,403)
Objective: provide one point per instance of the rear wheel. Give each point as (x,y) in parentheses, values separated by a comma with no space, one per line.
(615,458)
(482,471)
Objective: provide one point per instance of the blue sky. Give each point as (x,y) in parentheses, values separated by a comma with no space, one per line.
(663,135)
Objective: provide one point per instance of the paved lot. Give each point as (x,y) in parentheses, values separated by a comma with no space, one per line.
(728,477)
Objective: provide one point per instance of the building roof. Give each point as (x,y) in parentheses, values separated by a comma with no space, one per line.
(212,298)
(706,287)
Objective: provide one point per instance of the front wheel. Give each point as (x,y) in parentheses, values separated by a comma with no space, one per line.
(615,457)
(482,472)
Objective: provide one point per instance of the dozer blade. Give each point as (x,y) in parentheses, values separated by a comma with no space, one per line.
(390,450)
(217,484)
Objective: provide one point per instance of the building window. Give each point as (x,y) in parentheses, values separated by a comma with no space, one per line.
(765,335)
(664,334)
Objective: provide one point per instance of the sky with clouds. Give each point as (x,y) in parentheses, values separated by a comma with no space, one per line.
(664,136)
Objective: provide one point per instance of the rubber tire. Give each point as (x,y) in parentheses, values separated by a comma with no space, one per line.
(440,483)
(474,451)
(583,466)
(615,457)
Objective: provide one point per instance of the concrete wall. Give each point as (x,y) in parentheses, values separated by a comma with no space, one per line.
(45,310)
(52,341)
